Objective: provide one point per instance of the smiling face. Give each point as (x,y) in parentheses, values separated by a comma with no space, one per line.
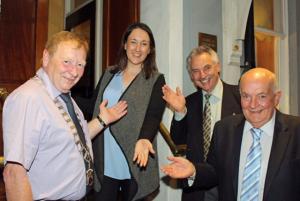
(66,65)
(258,96)
(204,71)
(137,47)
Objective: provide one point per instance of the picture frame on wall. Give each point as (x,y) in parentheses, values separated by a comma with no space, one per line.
(208,40)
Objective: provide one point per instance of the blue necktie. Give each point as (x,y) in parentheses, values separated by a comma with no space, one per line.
(251,177)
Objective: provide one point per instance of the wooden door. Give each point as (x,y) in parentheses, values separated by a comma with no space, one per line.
(117,15)
(23,32)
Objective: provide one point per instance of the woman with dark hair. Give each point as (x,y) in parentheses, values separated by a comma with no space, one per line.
(124,155)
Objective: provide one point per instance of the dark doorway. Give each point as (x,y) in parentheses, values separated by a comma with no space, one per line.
(82,20)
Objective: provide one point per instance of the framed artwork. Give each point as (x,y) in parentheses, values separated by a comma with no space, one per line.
(208,40)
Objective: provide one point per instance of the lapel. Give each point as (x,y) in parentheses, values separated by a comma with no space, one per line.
(228,101)
(224,103)
(196,107)
(280,141)
(237,140)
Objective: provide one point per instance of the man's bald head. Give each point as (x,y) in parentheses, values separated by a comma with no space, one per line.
(259,96)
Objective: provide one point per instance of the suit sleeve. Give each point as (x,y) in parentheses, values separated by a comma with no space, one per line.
(181,129)
(206,175)
(154,112)
(178,131)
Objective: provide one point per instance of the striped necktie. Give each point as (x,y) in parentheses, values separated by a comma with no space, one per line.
(251,177)
(206,125)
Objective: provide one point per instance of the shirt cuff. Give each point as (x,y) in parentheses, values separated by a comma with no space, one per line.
(191,179)
(178,116)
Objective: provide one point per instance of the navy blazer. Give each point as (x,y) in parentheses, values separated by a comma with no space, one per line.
(283,174)
(189,130)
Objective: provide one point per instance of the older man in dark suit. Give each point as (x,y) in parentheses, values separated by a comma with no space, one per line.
(255,156)
(193,121)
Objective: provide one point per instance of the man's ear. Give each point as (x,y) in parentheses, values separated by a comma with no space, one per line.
(278,95)
(218,66)
(46,58)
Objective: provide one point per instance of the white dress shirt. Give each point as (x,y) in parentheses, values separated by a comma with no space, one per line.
(215,105)
(266,144)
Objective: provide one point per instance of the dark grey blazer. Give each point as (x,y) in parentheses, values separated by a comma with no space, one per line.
(189,130)
(283,173)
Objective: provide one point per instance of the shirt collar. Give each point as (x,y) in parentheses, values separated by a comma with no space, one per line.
(52,90)
(217,92)
(266,128)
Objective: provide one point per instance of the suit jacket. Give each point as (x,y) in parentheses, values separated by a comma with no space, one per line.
(282,182)
(189,130)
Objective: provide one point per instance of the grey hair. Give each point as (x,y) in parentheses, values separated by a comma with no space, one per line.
(199,51)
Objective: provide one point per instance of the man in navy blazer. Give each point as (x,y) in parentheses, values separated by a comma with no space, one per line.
(279,178)
(187,125)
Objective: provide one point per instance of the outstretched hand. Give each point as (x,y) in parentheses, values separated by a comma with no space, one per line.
(179,168)
(176,100)
(141,152)
(113,113)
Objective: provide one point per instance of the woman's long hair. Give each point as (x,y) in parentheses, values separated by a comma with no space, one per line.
(149,64)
